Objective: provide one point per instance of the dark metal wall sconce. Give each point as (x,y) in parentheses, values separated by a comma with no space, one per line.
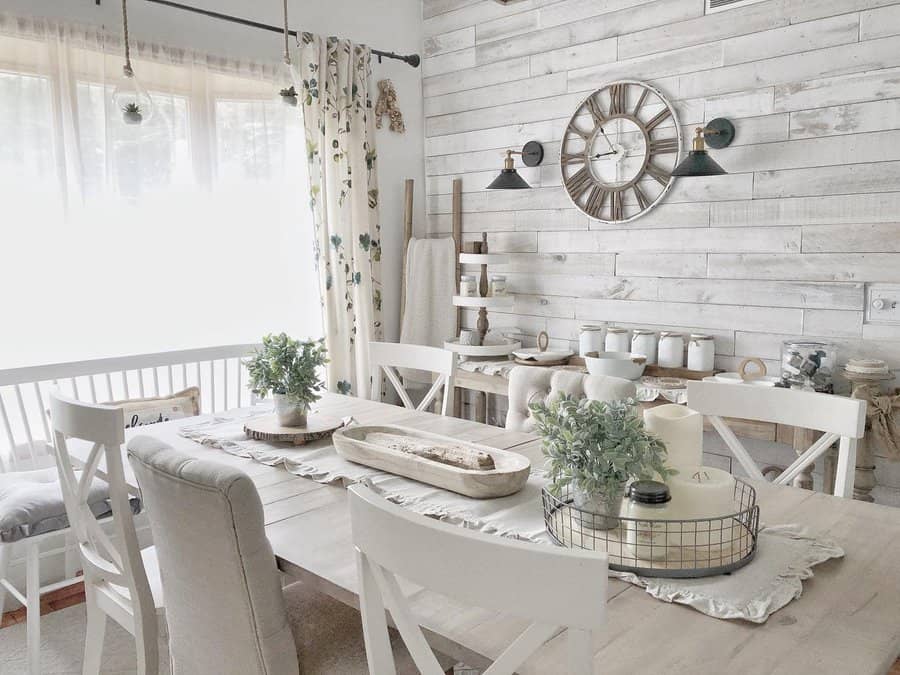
(509,178)
(719,133)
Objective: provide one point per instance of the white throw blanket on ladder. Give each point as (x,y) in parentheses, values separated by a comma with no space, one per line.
(429,317)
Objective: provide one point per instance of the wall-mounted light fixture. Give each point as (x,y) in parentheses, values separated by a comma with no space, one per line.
(509,178)
(719,133)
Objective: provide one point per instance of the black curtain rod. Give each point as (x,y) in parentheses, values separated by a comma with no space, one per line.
(412,59)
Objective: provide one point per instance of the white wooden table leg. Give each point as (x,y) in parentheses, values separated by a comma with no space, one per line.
(33,607)
(5,553)
(93,639)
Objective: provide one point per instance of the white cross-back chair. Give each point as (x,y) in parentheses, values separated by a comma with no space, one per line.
(115,569)
(840,419)
(564,588)
(441,363)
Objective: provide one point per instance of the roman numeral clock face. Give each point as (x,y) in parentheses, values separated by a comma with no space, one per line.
(619,150)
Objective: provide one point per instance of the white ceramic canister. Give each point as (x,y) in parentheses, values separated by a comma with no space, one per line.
(671,350)
(643,342)
(617,339)
(590,338)
(498,285)
(643,513)
(468,288)
(701,352)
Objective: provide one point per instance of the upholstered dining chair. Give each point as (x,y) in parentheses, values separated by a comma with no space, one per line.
(440,364)
(552,588)
(531,384)
(120,580)
(226,607)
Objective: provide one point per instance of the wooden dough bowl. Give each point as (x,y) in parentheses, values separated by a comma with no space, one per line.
(508,477)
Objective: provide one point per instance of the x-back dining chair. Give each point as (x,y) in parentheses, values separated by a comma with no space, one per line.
(388,356)
(841,420)
(115,569)
(554,588)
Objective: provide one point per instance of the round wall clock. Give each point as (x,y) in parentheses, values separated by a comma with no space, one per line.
(619,150)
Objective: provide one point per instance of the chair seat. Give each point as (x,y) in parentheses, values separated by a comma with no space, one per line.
(31,503)
(329,636)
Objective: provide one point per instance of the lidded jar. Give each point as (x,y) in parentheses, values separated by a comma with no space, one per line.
(617,339)
(644,518)
(590,339)
(671,350)
(468,288)
(701,352)
(498,285)
(643,342)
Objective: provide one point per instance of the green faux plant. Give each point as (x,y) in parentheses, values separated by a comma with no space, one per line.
(289,367)
(597,447)
(132,108)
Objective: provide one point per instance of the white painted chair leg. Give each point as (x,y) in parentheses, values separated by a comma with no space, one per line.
(147,650)
(846,468)
(5,554)
(93,639)
(72,559)
(581,657)
(371,607)
(33,607)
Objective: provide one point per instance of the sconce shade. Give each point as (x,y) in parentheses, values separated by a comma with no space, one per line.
(509,179)
(698,163)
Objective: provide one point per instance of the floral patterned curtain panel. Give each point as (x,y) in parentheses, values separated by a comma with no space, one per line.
(340,141)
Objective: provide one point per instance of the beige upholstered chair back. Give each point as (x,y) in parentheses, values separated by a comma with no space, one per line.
(224,604)
(529,384)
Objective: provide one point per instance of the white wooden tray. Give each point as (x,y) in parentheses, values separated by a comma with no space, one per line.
(483,350)
(507,478)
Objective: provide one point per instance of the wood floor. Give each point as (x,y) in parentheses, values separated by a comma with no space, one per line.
(73,595)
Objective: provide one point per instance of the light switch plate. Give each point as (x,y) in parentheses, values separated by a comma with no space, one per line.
(883,303)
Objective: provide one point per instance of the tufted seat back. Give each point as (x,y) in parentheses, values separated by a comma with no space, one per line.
(529,384)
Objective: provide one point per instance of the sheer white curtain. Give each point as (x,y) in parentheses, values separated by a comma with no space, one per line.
(188,230)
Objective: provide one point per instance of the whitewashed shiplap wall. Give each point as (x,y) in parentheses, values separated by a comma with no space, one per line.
(782,247)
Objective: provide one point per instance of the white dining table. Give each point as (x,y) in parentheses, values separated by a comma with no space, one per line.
(847,620)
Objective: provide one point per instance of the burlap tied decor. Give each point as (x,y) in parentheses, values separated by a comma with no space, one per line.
(882,423)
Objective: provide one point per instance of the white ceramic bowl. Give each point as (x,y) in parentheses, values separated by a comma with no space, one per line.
(617,364)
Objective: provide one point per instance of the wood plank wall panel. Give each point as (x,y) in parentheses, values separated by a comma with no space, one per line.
(782,247)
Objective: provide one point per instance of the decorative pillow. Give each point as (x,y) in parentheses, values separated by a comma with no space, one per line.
(140,412)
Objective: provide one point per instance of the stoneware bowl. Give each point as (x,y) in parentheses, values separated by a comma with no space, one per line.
(616,364)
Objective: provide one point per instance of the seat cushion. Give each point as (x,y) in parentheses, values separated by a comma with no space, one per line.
(529,384)
(31,503)
(329,636)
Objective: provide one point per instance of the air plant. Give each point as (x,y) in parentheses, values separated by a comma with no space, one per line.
(132,113)
(289,95)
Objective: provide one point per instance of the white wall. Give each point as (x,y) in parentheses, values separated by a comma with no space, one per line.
(390,25)
(782,247)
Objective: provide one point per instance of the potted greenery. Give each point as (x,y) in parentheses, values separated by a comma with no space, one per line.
(289,95)
(597,448)
(132,114)
(290,370)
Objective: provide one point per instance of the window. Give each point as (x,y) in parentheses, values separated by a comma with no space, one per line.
(192,230)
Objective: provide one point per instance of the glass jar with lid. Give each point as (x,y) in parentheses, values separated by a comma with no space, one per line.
(670,353)
(644,513)
(701,352)
(643,342)
(617,339)
(468,288)
(808,365)
(498,285)
(590,339)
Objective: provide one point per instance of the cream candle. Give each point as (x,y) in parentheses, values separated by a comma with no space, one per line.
(702,492)
(681,429)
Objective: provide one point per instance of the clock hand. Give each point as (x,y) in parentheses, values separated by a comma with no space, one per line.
(606,138)
(604,154)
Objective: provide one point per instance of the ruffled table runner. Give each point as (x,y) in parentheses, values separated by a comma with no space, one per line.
(783,560)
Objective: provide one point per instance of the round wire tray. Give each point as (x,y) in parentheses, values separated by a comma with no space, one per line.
(659,548)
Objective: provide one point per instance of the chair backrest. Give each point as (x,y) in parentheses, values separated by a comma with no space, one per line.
(106,561)
(554,588)
(388,356)
(224,604)
(528,384)
(840,419)
(25,438)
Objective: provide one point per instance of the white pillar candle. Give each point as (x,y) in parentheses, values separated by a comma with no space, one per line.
(681,429)
(702,492)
